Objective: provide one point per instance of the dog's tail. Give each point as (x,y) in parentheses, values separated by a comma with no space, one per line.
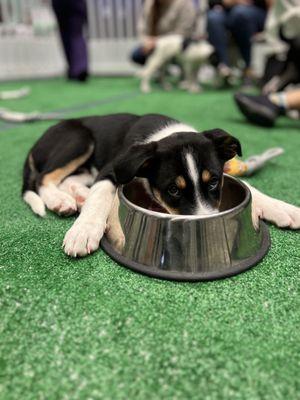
(29,192)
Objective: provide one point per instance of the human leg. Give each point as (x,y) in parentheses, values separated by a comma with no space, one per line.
(217,33)
(244,21)
(71,16)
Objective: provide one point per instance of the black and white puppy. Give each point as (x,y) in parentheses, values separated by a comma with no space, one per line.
(78,165)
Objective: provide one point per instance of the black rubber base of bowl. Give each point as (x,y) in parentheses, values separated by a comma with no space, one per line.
(188,276)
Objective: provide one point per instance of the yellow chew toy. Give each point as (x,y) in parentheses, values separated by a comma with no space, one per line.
(237,167)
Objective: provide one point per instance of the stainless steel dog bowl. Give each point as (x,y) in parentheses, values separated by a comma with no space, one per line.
(187,247)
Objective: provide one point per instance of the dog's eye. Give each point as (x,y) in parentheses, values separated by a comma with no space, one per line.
(174,191)
(213,184)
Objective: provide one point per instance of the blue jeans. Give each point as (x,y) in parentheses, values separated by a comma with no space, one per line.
(242,21)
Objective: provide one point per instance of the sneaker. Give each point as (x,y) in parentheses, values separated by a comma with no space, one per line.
(248,80)
(81,77)
(225,76)
(258,109)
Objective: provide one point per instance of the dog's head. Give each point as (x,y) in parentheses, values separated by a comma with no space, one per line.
(184,171)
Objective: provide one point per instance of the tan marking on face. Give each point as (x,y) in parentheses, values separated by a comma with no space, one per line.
(180,182)
(206,175)
(170,210)
(59,174)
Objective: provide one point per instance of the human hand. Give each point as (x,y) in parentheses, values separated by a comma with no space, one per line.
(149,44)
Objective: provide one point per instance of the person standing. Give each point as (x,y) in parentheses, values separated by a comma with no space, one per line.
(72,17)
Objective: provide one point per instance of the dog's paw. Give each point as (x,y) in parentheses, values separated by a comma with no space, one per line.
(194,88)
(283,215)
(82,239)
(279,213)
(80,194)
(61,203)
(145,87)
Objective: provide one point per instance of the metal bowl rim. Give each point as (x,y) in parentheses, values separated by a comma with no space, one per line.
(158,214)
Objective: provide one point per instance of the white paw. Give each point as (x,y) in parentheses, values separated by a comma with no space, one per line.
(61,203)
(145,87)
(284,215)
(80,194)
(281,214)
(194,88)
(82,239)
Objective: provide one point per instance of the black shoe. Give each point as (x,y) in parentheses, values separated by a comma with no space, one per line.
(258,109)
(248,83)
(82,77)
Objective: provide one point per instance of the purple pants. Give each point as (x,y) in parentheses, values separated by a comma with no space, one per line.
(72,17)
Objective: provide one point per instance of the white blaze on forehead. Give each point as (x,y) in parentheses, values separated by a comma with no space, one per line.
(192,169)
(201,207)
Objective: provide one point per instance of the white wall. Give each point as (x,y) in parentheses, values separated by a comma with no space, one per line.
(37,57)
(30,46)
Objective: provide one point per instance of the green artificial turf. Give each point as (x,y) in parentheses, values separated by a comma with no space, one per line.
(91,329)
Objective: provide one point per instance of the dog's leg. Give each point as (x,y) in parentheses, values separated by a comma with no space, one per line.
(114,231)
(191,83)
(84,236)
(278,212)
(166,48)
(192,58)
(77,187)
(165,85)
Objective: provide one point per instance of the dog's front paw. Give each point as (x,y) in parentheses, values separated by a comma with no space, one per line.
(145,87)
(83,239)
(279,213)
(283,215)
(80,194)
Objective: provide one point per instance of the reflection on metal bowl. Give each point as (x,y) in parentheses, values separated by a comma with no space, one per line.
(187,247)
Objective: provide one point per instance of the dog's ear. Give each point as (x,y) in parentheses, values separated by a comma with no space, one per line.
(226,145)
(135,162)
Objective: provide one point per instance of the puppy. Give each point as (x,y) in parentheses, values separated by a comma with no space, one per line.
(188,53)
(78,165)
